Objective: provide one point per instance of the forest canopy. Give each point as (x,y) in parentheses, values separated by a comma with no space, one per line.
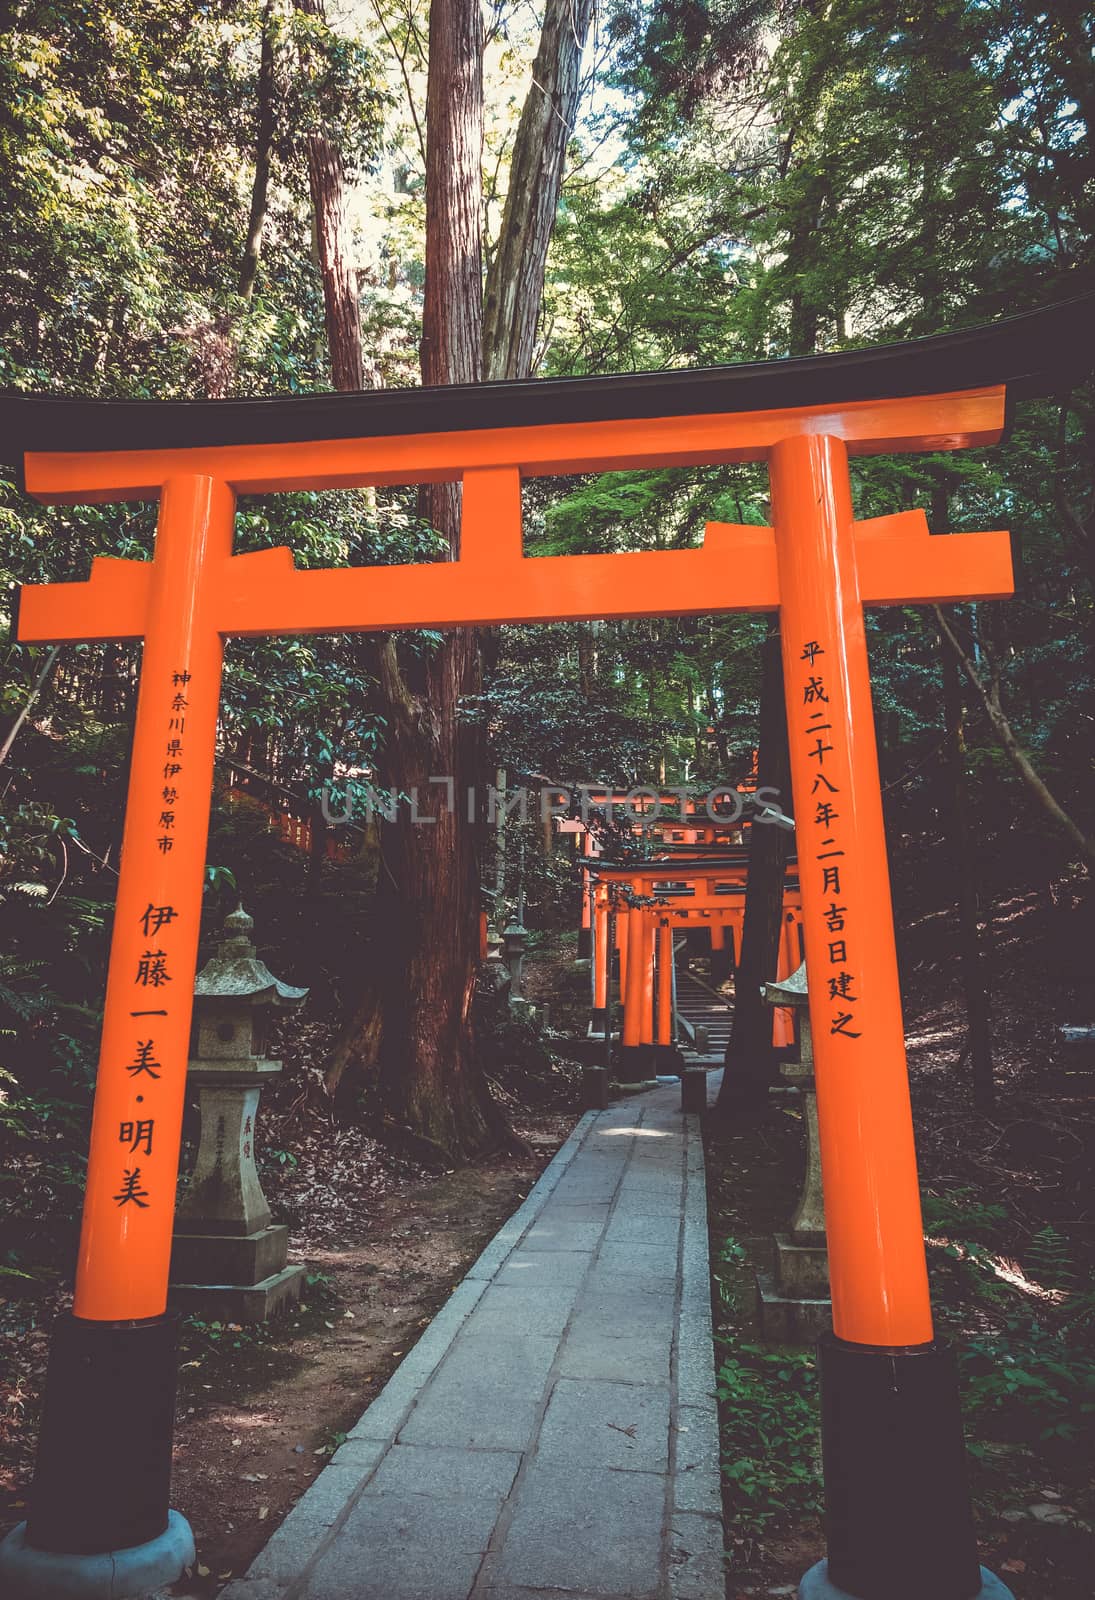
(242,199)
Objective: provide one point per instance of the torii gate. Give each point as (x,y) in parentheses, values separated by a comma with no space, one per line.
(894,1472)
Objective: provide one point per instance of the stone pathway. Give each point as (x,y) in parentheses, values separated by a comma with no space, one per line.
(553,1435)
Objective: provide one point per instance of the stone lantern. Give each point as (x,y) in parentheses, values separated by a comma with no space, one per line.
(228,1258)
(514,945)
(796,1308)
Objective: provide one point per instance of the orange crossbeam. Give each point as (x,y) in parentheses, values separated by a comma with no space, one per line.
(734,569)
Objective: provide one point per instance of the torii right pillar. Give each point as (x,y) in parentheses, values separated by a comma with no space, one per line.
(899,1523)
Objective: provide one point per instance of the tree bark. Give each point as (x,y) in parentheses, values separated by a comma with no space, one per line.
(327,182)
(515,281)
(750,1059)
(429,886)
(264,143)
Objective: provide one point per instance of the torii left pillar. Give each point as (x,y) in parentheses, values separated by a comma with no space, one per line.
(102,1479)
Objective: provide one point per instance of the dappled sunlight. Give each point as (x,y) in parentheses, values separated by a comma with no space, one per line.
(1002,1267)
(638,1133)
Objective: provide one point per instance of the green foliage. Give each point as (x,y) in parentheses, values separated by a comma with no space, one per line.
(1026,1382)
(961,1213)
(1049,1257)
(770,1437)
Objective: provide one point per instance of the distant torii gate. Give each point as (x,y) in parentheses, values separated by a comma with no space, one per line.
(668,892)
(898,1515)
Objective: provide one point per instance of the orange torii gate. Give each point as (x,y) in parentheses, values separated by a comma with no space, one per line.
(898,1513)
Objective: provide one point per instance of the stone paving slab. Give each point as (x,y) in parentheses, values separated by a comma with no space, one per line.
(553,1434)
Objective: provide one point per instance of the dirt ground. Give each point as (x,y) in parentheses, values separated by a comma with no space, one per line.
(251,1440)
(259,1415)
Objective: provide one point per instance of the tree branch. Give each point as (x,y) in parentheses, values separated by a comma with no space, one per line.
(989,697)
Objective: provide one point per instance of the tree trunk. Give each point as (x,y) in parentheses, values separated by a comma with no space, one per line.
(963,854)
(750,1060)
(264,141)
(327,181)
(963,859)
(515,282)
(429,885)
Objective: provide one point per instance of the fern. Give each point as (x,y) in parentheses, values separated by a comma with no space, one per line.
(1050,1258)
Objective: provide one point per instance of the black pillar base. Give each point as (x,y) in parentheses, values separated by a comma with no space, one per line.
(103,1473)
(594,1088)
(694,1090)
(598,1018)
(635,1062)
(899,1525)
(668,1060)
(585,943)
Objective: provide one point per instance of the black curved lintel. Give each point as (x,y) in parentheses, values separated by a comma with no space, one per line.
(1036,353)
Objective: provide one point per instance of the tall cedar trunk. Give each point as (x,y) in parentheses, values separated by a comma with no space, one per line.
(428,892)
(264,141)
(515,281)
(750,1060)
(327,181)
(429,888)
(412,1034)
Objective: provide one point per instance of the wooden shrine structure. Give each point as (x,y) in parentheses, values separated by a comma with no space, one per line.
(898,1516)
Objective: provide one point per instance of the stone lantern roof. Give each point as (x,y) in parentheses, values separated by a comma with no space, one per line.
(235,972)
(790,991)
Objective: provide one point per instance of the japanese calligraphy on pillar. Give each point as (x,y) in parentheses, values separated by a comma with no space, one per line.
(821,837)
(155,965)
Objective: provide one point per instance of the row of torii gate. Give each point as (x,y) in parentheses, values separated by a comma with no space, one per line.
(898,1518)
(692,881)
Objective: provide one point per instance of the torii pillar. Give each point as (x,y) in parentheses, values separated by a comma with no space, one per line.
(898,1516)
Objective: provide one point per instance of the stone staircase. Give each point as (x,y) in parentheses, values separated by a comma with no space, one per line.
(702,1007)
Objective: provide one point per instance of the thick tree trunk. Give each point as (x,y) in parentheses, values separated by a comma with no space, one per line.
(429,885)
(429,892)
(750,1059)
(412,1038)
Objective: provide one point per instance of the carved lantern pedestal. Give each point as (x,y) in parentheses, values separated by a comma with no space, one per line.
(228,1258)
(794,1302)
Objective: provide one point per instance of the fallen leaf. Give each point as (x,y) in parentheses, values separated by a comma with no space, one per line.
(1014,1565)
(264,1512)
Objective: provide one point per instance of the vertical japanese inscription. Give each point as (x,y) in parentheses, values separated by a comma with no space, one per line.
(153,974)
(821,841)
